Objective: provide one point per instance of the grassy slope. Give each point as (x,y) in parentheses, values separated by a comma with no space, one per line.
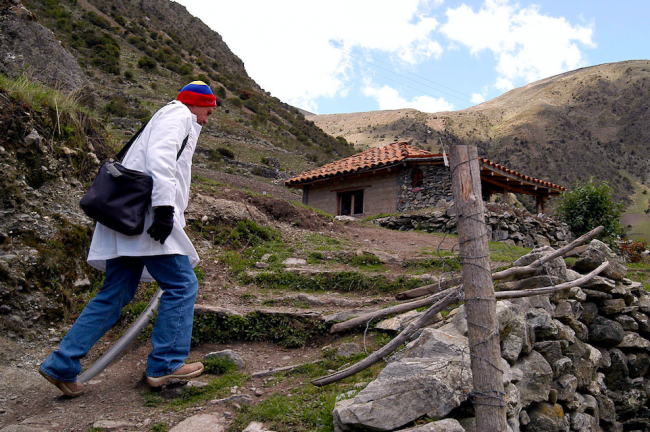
(634,214)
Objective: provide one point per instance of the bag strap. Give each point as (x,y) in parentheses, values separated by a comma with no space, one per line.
(127,146)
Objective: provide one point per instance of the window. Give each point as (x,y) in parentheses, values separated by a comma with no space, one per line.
(351,202)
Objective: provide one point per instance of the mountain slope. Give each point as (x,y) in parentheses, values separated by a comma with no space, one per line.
(589,122)
(137,56)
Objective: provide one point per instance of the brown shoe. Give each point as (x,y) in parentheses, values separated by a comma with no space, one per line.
(72,389)
(184,372)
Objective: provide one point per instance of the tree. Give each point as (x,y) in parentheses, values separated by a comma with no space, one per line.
(589,205)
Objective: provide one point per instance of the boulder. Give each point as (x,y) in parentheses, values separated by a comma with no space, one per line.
(230,355)
(348,350)
(599,283)
(533,376)
(541,322)
(617,374)
(613,306)
(606,410)
(597,253)
(633,340)
(589,312)
(556,267)
(222,211)
(385,257)
(398,322)
(606,332)
(430,377)
(546,417)
(644,304)
(446,425)
(643,320)
(638,364)
(586,360)
(201,423)
(628,323)
(566,387)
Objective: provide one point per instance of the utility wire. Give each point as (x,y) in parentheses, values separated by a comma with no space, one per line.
(401,69)
(426,85)
(406,85)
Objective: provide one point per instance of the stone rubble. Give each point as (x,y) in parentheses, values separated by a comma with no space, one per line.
(573,362)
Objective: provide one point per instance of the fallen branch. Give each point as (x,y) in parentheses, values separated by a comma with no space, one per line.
(404,307)
(452,296)
(514,271)
(283,369)
(501,295)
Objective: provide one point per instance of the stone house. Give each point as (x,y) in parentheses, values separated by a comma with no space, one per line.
(399,177)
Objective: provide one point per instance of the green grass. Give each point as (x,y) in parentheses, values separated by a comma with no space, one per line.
(218,365)
(159,427)
(501,252)
(218,387)
(444,264)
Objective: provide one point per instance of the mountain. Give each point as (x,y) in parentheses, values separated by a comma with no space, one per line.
(136,57)
(593,121)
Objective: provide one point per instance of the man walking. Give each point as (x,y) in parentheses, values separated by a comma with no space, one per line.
(164,253)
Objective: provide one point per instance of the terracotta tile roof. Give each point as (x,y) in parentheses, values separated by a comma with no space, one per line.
(378,157)
(488,162)
(389,155)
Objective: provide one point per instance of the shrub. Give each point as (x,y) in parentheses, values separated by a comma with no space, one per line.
(128,74)
(226,152)
(221,92)
(633,250)
(147,62)
(589,205)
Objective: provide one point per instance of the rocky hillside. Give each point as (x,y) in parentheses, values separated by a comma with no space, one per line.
(567,128)
(136,58)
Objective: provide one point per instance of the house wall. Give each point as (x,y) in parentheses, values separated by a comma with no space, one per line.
(436,185)
(380,193)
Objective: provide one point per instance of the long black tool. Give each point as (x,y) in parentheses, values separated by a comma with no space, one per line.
(124,341)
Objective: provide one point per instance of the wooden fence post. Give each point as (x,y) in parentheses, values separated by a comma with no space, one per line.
(480,302)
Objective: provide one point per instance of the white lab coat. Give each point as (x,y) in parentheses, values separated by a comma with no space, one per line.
(154,152)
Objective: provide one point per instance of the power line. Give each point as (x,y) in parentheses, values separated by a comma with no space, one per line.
(401,83)
(438,90)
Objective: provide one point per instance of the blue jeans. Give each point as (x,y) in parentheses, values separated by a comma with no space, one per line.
(172,332)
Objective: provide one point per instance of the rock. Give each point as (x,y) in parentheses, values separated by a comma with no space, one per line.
(638,364)
(532,375)
(633,340)
(243,399)
(593,295)
(385,257)
(546,417)
(582,422)
(613,306)
(255,427)
(643,320)
(222,211)
(398,322)
(566,386)
(348,349)
(22,428)
(432,374)
(556,267)
(230,355)
(82,283)
(538,282)
(627,322)
(606,332)
(446,425)
(600,283)
(644,304)
(617,374)
(113,424)
(196,384)
(564,332)
(33,139)
(294,261)
(589,312)
(597,253)
(341,218)
(586,360)
(201,423)
(541,322)
(261,265)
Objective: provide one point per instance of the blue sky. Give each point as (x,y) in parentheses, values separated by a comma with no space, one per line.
(341,56)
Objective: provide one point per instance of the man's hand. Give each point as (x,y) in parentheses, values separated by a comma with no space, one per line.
(163,222)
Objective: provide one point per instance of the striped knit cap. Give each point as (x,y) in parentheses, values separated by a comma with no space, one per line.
(197,93)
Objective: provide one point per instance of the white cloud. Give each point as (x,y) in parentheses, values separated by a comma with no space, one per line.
(287,45)
(527,44)
(504,84)
(389,98)
(477,98)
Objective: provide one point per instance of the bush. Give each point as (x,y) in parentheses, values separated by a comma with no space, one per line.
(147,62)
(589,205)
(226,152)
(633,250)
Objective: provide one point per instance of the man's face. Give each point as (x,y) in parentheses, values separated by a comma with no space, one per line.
(202,114)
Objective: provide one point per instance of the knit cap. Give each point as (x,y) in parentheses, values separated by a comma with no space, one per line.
(197,93)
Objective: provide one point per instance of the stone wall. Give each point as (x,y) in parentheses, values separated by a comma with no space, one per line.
(436,186)
(574,361)
(503,224)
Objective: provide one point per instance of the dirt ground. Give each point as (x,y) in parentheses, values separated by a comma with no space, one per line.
(117,394)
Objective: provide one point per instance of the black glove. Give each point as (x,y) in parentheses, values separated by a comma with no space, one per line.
(163,222)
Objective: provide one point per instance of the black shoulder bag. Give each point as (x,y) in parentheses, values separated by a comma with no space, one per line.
(119,197)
